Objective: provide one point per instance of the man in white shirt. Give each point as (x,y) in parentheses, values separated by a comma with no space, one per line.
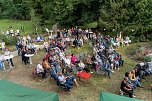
(40,70)
(61,78)
(68,81)
(7,53)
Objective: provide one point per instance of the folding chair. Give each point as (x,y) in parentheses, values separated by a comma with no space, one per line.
(62,86)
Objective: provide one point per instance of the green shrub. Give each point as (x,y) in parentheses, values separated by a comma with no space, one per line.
(9,40)
(144,58)
(132,50)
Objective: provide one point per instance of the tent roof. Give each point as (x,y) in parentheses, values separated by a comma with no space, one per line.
(10,91)
(104,96)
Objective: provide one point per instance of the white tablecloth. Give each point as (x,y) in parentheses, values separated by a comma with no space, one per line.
(29,55)
(8,57)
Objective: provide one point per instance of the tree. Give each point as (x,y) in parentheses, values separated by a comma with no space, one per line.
(134,17)
(14,9)
(37,15)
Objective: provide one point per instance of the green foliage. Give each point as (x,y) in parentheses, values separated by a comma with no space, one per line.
(9,40)
(130,16)
(89,25)
(14,9)
(145,59)
(138,52)
(37,15)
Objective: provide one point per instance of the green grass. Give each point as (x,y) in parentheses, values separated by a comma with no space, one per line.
(89,25)
(16,24)
(86,49)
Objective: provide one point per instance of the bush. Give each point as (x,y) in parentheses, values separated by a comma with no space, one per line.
(145,58)
(132,50)
(9,40)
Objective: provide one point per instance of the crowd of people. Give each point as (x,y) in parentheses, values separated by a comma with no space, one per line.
(105,57)
(57,60)
(61,64)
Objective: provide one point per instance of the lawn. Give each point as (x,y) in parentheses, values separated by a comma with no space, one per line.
(88,90)
(16,24)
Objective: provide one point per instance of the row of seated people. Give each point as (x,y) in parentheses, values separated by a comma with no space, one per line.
(123,41)
(63,43)
(133,78)
(59,74)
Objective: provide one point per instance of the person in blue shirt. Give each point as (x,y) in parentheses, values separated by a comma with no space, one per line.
(107,68)
(54,72)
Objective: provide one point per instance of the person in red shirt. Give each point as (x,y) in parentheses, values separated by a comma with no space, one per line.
(47,56)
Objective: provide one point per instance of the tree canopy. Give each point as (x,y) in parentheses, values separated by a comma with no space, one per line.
(130,16)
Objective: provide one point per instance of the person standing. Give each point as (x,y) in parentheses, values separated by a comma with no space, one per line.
(24,58)
(7,53)
(2,66)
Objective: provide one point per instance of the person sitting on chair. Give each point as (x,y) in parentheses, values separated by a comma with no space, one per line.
(89,61)
(67,81)
(75,42)
(45,64)
(74,59)
(41,70)
(54,72)
(126,88)
(107,68)
(134,80)
(82,67)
